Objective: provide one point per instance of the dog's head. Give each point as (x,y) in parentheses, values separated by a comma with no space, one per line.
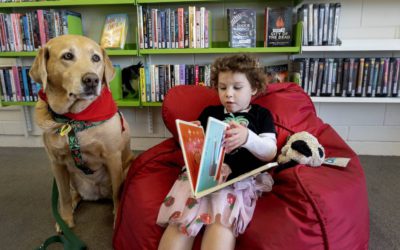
(73,69)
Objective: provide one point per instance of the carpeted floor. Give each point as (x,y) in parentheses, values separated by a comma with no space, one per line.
(26,219)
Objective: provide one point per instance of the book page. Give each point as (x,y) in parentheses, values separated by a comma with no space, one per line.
(253,172)
(191,139)
(212,154)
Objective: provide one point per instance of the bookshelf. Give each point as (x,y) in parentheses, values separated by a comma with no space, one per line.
(358,45)
(365,46)
(131,50)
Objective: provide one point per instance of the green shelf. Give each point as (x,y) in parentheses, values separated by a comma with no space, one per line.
(65,3)
(222,47)
(174,1)
(18,103)
(220,50)
(151,104)
(295,2)
(122,52)
(128,103)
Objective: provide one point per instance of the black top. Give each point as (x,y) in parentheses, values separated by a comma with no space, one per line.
(257,119)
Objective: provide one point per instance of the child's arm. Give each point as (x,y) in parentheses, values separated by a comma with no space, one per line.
(262,146)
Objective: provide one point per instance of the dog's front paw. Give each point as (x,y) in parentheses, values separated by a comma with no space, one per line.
(70,223)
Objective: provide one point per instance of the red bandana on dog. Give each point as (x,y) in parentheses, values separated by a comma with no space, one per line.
(101,109)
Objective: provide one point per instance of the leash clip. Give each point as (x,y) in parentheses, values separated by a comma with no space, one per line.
(65,129)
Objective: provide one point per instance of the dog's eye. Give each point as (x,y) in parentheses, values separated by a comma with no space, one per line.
(68,56)
(95,58)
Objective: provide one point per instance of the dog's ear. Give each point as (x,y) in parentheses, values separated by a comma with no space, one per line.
(38,71)
(109,71)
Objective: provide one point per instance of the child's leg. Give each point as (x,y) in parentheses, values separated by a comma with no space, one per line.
(173,239)
(217,236)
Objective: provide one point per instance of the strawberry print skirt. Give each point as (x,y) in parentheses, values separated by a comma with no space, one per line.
(235,204)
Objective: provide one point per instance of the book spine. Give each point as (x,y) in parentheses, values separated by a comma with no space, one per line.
(325,25)
(142,78)
(315,24)
(365,77)
(321,18)
(173,33)
(368,88)
(168,28)
(331,23)
(336,24)
(181,27)
(197,27)
(3,86)
(310,24)
(385,77)
(207,17)
(359,81)
(396,76)
(380,77)
(346,73)
(339,81)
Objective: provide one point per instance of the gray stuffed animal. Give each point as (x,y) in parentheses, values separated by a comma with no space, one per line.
(301,148)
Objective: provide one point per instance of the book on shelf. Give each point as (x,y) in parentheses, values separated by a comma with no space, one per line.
(241,28)
(278,27)
(203,155)
(16,85)
(351,77)
(31,30)
(114,31)
(320,23)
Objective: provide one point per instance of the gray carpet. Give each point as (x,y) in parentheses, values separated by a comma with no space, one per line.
(26,219)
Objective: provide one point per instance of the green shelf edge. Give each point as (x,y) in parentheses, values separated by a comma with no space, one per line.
(151,104)
(65,3)
(220,50)
(128,103)
(295,2)
(18,104)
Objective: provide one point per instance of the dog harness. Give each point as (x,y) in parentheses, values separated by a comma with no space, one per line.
(98,112)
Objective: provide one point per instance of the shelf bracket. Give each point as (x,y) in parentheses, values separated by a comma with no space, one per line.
(150,126)
(26,115)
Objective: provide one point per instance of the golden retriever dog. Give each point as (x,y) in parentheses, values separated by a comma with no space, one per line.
(75,73)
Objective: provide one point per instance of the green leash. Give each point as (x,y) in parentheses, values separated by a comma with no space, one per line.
(68,238)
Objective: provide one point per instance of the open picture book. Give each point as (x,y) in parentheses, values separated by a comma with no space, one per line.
(204,154)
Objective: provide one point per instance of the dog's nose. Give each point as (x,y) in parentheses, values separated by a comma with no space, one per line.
(90,80)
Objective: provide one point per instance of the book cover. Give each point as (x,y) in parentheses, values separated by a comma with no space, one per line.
(279,26)
(203,154)
(114,31)
(242,28)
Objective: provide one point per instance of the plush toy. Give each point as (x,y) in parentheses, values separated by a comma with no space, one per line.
(301,148)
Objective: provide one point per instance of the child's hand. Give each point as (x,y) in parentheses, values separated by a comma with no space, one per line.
(198,123)
(235,136)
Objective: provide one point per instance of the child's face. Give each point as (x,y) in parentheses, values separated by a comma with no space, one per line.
(234,91)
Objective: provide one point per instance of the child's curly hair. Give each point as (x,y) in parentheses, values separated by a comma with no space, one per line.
(241,63)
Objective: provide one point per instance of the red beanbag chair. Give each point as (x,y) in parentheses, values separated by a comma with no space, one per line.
(308,208)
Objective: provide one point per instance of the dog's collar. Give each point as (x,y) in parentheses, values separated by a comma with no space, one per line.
(103,108)
(99,111)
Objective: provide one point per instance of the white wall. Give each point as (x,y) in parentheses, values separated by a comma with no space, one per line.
(368,128)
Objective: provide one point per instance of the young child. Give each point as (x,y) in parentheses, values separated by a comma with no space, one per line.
(250,141)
